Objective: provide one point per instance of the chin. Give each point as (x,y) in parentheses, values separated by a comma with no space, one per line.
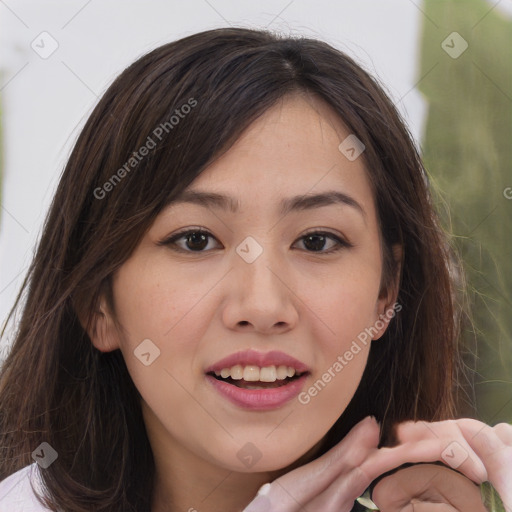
(249,458)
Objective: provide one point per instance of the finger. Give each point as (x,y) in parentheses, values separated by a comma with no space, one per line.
(504,432)
(338,497)
(347,454)
(342,493)
(496,455)
(430,484)
(429,450)
(289,492)
(421,506)
(417,430)
(456,450)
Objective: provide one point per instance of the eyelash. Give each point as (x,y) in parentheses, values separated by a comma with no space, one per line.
(171,240)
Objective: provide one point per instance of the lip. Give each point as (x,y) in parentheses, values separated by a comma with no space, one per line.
(255,358)
(259,399)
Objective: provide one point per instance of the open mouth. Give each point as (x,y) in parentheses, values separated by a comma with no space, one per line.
(241,383)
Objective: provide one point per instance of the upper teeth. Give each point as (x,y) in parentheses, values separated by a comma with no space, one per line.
(255,373)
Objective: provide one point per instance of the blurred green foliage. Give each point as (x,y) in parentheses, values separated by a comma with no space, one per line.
(467,150)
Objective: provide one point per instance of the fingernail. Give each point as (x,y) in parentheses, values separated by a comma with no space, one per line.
(264,490)
(261,503)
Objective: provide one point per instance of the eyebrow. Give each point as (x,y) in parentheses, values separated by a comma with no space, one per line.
(291,204)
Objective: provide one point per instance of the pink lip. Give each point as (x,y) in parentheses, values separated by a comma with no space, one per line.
(254,358)
(258,399)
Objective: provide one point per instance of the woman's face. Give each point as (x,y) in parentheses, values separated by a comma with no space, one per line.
(257,283)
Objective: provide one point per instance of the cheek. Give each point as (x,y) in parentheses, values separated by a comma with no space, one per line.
(345,306)
(346,310)
(153,300)
(342,353)
(151,305)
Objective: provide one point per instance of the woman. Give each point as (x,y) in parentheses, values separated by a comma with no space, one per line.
(241,264)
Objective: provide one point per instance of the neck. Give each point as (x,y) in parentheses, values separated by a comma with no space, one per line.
(224,490)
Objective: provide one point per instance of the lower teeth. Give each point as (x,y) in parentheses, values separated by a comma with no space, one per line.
(261,385)
(270,385)
(258,387)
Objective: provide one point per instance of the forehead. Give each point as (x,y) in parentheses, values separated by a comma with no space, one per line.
(299,121)
(291,150)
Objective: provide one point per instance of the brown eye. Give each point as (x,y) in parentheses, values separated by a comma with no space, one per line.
(316,242)
(192,240)
(196,241)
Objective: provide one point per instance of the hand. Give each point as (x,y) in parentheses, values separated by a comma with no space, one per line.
(481,452)
(335,480)
(426,488)
(332,482)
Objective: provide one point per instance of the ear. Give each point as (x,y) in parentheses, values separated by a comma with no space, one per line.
(102,329)
(387,306)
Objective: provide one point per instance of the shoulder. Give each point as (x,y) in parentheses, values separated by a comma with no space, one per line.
(17,491)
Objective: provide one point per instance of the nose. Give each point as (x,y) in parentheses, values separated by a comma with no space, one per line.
(259,296)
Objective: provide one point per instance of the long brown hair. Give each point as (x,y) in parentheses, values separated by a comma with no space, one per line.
(55,386)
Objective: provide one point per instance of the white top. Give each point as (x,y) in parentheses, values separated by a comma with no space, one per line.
(16,493)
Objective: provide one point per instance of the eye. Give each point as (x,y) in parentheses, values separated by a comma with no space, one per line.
(196,240)
(316,241)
